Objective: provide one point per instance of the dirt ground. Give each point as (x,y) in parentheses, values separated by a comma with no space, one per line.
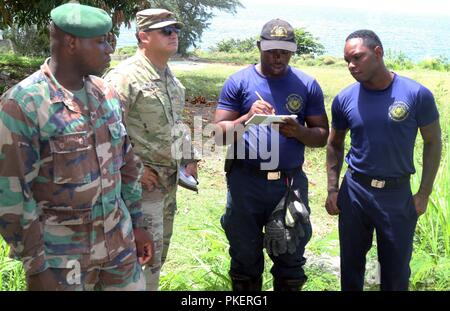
(199,107)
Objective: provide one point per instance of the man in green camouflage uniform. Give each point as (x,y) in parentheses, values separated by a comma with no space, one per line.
(70,197)
(154,104)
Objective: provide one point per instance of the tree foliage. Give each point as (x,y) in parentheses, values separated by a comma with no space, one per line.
(29,40)
(195,15)
(306,44)
(23,18)
(21,13)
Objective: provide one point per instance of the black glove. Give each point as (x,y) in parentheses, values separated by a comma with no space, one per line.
(296,214)
(275,232)
(284,229)
(296,211)
(278,238)
(275,237)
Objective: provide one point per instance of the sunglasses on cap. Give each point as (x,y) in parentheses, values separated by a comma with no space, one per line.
(166,31)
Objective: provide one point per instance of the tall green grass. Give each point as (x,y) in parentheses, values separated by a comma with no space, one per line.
(11,271)
(198,257)
(431,264)
(431,259)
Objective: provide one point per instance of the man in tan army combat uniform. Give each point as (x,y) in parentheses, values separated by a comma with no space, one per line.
(154,103)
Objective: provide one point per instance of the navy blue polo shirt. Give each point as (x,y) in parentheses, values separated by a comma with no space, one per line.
(383,125)
(294,93)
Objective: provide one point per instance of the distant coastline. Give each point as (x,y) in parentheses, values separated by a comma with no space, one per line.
(416,36)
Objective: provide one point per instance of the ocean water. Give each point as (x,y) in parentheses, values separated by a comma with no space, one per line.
(418,34)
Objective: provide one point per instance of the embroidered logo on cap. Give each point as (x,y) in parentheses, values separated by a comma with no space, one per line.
(279,32)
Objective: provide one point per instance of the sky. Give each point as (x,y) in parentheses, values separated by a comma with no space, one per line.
(403,6)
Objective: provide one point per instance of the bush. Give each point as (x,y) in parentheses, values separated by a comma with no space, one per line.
(126,51)
(228,57)
(310,60)
(14,68)
(29,40)
(441,63)
(328,60)
(236,45)
(18,67)
(397,60)
(306,44)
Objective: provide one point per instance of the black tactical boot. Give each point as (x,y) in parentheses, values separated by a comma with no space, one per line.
(288,285)
(242,282)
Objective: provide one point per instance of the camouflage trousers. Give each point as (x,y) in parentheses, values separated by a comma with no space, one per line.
(125,277)
(159,207)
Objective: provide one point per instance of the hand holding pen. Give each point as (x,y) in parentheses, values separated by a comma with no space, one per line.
(261,106)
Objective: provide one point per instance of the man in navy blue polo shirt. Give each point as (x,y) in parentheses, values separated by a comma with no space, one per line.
(267,158)
(383,112)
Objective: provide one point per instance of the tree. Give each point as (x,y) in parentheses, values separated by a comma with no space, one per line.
(195,15)
(306,43)
(29,19)
(20,13)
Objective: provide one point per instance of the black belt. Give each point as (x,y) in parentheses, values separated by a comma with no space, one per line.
(269,175)
(378,182)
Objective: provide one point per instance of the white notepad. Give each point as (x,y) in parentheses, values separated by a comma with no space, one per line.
(265,119)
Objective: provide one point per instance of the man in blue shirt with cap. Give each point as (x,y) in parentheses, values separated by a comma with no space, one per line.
(383,112)
(268,159)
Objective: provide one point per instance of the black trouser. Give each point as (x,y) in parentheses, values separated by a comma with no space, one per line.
(251,199)
(391,213)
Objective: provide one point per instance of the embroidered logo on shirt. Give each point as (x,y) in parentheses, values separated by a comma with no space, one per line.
(294,103)
(398,111)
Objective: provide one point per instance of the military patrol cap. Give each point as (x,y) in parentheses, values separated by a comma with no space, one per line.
(155,19)
(81,20)
(278,34)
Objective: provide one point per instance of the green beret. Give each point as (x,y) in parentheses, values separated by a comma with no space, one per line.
(81,20)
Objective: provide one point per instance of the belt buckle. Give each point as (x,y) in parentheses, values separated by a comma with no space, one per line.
(378,183)
(273,175)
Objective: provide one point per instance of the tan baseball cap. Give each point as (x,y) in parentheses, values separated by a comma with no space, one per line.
(155,19)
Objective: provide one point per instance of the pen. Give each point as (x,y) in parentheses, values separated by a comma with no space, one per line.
(260,97)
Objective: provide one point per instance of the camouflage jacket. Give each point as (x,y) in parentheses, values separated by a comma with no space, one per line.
(69,180)
(153,114)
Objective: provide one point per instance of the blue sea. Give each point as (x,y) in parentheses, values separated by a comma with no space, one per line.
(418,34)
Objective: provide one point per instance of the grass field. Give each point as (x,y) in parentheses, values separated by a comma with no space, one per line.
(198,258)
